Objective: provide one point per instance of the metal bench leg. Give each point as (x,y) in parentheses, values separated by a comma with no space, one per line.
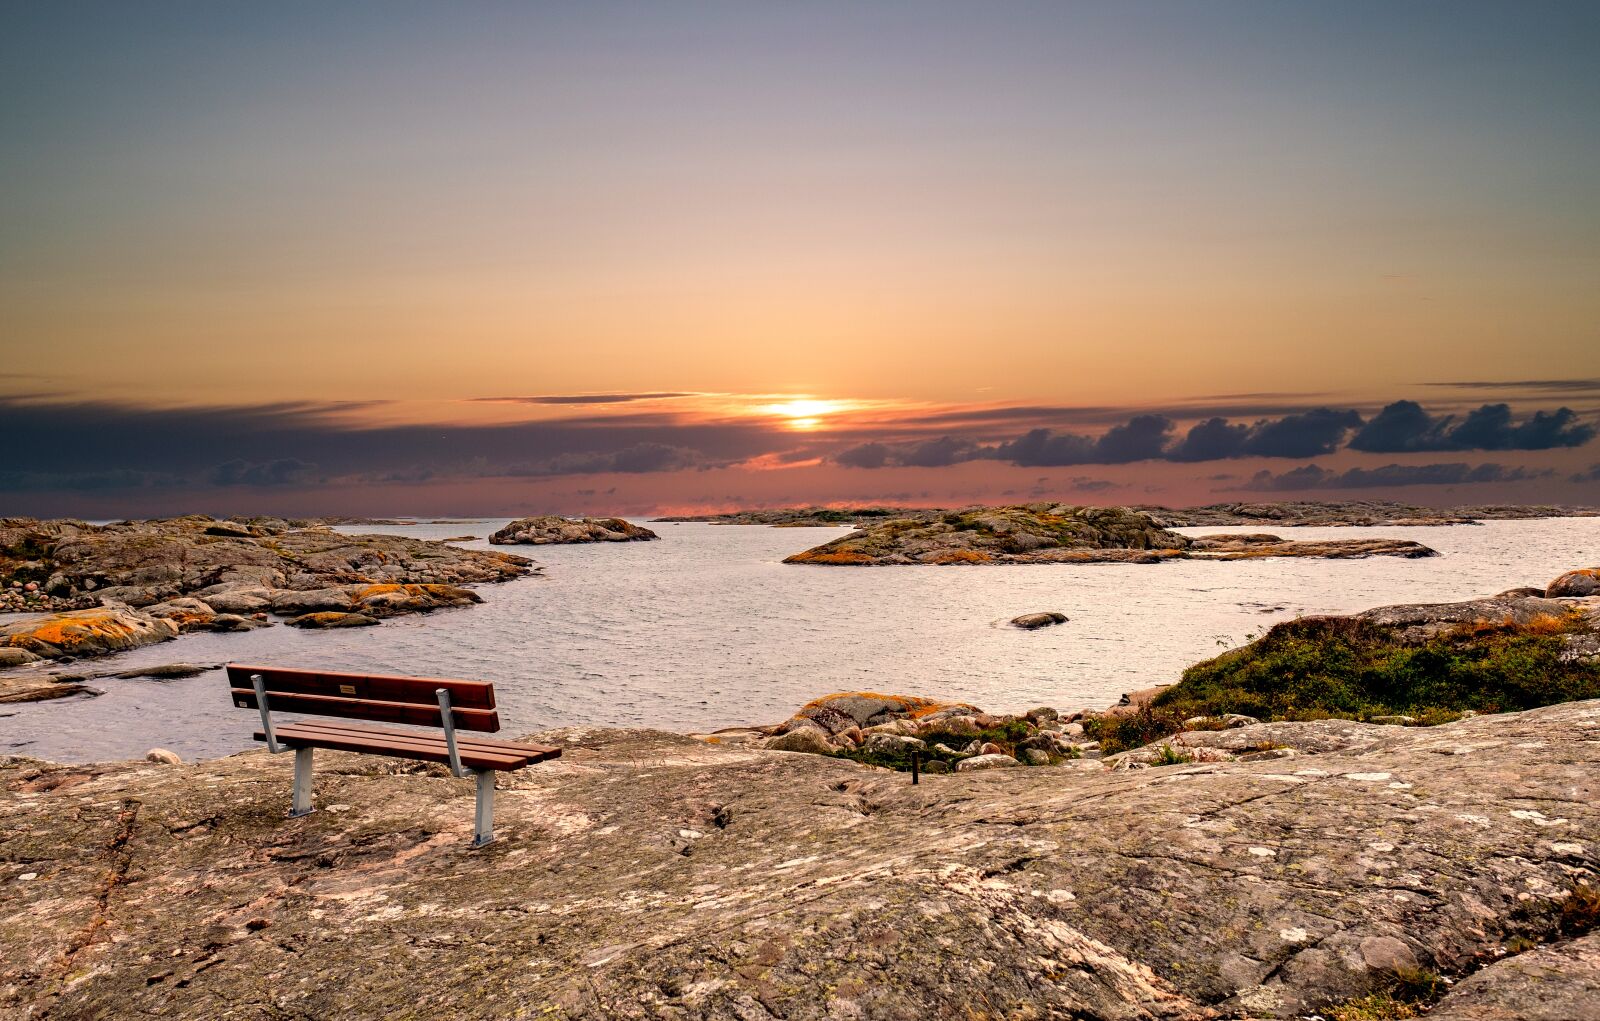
(483,825)
(302,783)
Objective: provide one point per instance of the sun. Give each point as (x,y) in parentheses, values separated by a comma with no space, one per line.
(802,415)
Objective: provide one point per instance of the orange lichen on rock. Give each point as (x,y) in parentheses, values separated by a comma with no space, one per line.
(829,557)
(912,702)
(961,556)
(65,633)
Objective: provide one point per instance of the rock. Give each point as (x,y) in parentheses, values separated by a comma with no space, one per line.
(1233,721)
(1265,754)
(985,761)
(1035,757)
(1073,729)
(1230,890)
(1549,983)
(553,529)
(163,756)
(332,619)
(839,712)
(936,766)
(93,632)
(1034,621)
(10,657)
(802,739)
(1393,721)
(1041,715)
(891,744)
(1061,533)
(188,571)
(1036,533)
(990,748)
(1247,547)
(168,671)
(1585,582)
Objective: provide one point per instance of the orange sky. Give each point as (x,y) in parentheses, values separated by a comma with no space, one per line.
(383,215)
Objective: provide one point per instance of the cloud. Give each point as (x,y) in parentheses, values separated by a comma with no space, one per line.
(939,453)
(1592,475)
(1558,385)
(1313,476)
(638,459)
(285,471)
(561,399)
(89,481)
(1405,426)
(1139,439)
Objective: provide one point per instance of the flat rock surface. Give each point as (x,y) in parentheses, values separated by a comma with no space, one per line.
(645,875)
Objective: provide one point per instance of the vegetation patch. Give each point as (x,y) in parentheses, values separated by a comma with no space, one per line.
(1348,668)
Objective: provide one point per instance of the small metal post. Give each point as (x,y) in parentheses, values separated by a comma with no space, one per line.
(483,823)
(266,716)
(916,767)
(447,720)
(302,783)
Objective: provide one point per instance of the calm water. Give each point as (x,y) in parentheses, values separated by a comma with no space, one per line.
(707,629)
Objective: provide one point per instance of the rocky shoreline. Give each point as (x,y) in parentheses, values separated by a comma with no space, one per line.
(1066,534)
(647,875)
(82,590)
(1318,858)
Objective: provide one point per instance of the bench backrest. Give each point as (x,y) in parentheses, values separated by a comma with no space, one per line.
(409,700)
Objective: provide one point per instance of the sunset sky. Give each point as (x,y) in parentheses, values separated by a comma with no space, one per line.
(492,258)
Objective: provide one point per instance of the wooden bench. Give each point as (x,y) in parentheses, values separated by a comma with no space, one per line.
(415,701)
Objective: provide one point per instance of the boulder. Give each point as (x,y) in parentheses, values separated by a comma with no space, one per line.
(11,656)
(332,619)
(1034,621)
(163,756)
(93,632)
(1584,582)
(802,739)
(891,744)
(986,761)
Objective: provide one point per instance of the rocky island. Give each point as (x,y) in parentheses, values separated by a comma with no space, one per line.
(1366,513)
(1318,858)
(552,529)
(1065,534)
(1287,513)
(86,590)
(802,517)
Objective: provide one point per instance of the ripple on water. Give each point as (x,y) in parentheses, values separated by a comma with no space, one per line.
(707,629)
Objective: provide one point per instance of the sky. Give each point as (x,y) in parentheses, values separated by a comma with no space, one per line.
(488,258)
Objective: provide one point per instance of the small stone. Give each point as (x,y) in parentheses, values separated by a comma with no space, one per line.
(164,756)
(1392,721)
(1035,757)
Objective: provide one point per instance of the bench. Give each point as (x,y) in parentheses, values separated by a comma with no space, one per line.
(450,706)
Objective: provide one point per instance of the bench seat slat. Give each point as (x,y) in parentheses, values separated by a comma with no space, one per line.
(367,709)
(424,749)
(533,752)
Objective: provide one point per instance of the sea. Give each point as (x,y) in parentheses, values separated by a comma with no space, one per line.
(707,628)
